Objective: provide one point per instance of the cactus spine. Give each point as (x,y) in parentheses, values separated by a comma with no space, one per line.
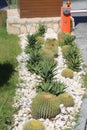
(45,105)
(33,125)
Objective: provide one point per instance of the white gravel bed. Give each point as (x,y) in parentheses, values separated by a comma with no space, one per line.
(26,92)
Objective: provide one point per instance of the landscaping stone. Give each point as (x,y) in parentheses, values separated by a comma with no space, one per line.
(26,91)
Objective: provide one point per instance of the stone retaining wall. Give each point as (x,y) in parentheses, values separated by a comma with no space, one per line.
(17,25)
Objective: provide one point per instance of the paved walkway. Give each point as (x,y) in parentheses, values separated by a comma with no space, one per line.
(81,41)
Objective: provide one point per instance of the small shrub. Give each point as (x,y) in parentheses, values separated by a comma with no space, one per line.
(33,125)
(44,105)
(66,99)
(67,73)
(41,29)
(53,87)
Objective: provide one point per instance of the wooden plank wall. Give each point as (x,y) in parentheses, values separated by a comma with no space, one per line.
(40,8)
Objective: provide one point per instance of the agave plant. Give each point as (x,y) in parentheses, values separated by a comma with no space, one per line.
(68,38)
(58,88)
(73,58)
(31,39)
(41,29)
(47,70)
(34,59)
(53,87)
(65,38)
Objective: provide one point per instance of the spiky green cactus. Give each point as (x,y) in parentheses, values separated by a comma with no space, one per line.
(45,105)
(66,99)
(65,49)
(40,40)
(47,53)
(67,73)
(33,125)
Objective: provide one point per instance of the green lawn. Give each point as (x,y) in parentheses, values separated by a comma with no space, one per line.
(9,49)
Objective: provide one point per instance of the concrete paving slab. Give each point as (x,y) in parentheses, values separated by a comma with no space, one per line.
(81,41)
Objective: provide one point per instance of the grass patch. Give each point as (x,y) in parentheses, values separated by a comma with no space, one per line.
(9,49)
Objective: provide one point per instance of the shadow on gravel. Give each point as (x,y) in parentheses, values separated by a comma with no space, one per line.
(80,19)
(6,70)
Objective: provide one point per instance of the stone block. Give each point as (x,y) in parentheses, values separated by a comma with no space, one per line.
(33,29)
(10,20)
(17,25)
(49,25)
(50,30)
(23,29)
(28,28)
(13,30)
(56,27)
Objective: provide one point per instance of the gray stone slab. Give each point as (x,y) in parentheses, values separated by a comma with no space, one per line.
(81,41)
(81,125)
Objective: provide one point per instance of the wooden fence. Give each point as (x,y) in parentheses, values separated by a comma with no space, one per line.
(39,8)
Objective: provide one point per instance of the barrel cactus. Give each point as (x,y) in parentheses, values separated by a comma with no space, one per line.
(40,40)
(33,125)
(45,105)
(60,37)
(47,53)
(65,49)
(66,99)
(67,73)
